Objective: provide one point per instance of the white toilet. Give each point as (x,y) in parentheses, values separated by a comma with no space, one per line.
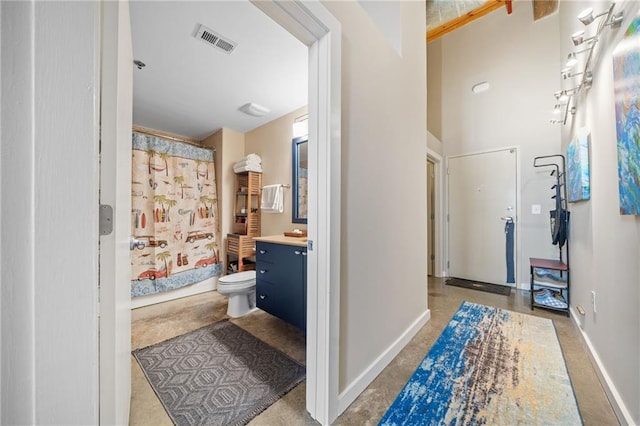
(240,288)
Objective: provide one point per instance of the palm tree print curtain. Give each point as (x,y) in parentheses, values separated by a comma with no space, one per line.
(174,215)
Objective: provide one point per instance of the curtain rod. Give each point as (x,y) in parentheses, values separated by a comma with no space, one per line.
(157,133)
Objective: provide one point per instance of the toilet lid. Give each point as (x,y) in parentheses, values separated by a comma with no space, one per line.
(238,277)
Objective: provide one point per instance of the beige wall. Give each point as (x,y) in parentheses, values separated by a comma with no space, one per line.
(272,142)
(229,146)
(383,220)
(434,144)
(520,59)
(434,88)
(605,246)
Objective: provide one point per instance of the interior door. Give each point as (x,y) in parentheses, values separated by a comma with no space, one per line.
(115,190)
(482,196)
(431,215)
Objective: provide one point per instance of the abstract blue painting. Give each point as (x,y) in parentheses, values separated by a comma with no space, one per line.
(578,183)
(626,69)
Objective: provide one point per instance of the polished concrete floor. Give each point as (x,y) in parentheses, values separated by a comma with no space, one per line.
(156,323)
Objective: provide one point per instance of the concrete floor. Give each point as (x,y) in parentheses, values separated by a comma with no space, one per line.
(156,323)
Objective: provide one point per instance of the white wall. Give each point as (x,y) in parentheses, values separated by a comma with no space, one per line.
(521,61)
(383,262)
(605,246)
(386,15)
(49,224)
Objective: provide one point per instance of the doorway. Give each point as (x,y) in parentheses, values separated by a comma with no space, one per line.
(431,217)
(482,194)
(321,32)
(435,215)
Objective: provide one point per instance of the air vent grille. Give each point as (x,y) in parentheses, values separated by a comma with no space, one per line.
(208,37)
(225,45)
(212,38)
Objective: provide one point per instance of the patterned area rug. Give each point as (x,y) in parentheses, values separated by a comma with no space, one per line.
(489,366)
(217,375)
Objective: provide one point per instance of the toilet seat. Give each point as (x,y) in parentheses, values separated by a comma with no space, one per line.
(237,281)
(238,277)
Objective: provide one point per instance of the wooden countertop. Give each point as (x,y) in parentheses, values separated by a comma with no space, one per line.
(281,239)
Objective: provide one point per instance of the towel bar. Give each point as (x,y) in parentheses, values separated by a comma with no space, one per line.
(284,185)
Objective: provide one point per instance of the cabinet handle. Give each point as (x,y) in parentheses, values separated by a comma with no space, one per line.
(297,252)
(262,271)
(263,251)
(304,253)
(262,297)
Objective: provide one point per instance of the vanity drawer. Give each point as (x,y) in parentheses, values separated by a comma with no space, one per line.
(276,253)
(285,305)
(276,273)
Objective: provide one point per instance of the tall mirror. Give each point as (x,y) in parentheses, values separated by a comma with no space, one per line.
(300,155)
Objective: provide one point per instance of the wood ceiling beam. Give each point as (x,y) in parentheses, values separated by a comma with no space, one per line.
(472,15)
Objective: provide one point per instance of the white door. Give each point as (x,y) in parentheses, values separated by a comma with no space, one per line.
(115,190)
(482,194)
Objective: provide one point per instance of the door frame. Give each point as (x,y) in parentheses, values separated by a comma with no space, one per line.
(314,26)
(311,23)
(439,269)
(518,240)
(115,77)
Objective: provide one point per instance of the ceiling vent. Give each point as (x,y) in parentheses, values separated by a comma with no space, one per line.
(212,38)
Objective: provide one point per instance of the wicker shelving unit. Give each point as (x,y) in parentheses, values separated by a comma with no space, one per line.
(246,223)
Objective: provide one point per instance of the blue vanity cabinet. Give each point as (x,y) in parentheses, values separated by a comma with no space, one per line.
(281,281)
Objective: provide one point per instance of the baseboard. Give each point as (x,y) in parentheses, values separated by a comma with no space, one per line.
(358,386)
(621,411)
(190,290)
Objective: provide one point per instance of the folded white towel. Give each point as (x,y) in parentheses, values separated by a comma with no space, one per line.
(272,199)
(243,163)
(242,169)
(253,157)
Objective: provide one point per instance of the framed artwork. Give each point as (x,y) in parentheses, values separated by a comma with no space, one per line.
(626,69)
(578,182)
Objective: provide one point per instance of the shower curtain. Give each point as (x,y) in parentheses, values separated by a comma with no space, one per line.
(174,220)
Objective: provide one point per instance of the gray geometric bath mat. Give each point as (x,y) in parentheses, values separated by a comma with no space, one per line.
(217,375)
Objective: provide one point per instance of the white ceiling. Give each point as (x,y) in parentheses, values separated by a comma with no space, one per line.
(191,89)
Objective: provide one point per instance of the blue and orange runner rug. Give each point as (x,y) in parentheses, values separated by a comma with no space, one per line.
(489,366)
